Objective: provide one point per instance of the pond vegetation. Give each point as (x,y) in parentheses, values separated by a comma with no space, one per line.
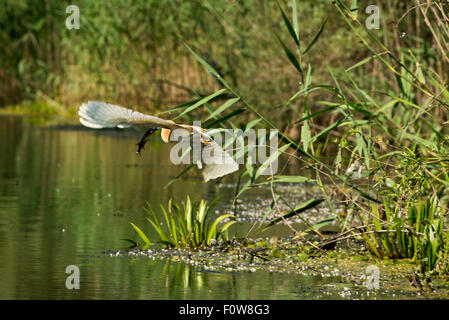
(394,142)
(187,226)
(370,133)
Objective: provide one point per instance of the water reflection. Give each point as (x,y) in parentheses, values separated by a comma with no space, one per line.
(67,194)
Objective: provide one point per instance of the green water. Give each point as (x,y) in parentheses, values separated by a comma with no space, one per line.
(67,194)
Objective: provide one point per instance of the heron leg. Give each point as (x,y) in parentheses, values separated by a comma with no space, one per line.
(144,140)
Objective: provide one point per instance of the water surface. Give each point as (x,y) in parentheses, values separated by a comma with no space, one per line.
(67,194)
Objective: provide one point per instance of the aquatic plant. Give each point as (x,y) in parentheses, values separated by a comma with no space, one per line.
(186,226)
(387,140)
(417,235)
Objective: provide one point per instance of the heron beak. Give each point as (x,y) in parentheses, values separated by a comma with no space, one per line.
(165,135)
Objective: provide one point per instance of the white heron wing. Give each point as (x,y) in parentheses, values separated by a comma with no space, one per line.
(217,162)
(99,115)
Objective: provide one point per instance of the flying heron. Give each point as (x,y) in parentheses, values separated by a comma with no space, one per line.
(98,115)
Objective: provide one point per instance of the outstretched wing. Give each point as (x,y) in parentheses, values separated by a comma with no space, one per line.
(217,162)
(223,165)
(99,115)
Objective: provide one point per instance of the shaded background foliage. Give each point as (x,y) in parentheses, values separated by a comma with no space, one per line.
(384,91)
(131,52)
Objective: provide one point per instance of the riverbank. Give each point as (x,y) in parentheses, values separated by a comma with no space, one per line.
(349,266)
(39,107)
